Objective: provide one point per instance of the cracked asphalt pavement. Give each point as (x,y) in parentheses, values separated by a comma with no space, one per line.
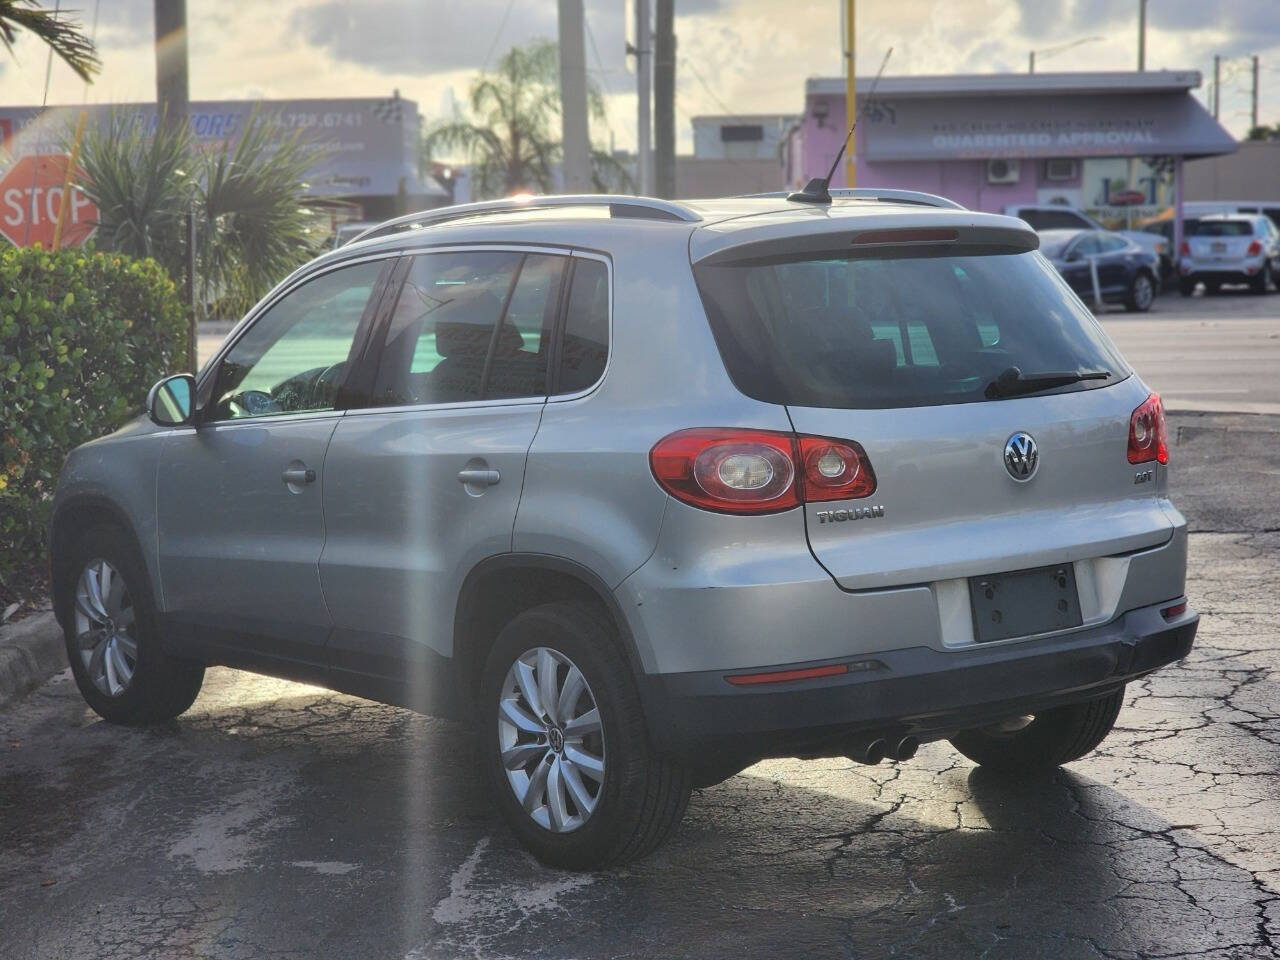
(277,820)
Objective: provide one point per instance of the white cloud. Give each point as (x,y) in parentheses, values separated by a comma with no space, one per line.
(752,55)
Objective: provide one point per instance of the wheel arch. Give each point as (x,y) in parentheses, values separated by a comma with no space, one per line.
(499,587)
(75,515)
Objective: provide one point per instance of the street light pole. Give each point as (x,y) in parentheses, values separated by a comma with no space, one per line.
(644,60)
(173,105)
(1031,62)
(1142,35)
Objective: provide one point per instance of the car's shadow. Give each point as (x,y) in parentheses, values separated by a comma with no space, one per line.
(279,819)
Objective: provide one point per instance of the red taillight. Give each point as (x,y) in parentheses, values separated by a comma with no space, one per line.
(1148,435)
(1185,249)
(730,471)
(1255,248)
(1177,610)
(759,471)
(834,470)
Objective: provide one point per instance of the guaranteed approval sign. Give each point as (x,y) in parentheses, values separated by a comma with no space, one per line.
(31,200)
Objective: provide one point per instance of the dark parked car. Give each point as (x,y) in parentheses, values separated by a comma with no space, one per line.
(1127,273)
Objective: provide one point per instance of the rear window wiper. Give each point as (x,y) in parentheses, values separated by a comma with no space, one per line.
(1013,382)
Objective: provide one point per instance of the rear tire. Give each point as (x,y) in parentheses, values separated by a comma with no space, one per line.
(1186,287)
(641,795)
(1053,738)
(159,686)
(1258,284)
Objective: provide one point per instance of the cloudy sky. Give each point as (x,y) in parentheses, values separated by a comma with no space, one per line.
(735,56)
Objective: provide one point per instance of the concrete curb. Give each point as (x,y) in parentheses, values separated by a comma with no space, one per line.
(31,651)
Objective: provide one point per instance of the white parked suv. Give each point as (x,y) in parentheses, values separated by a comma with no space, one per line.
(646,492)
(1230,248)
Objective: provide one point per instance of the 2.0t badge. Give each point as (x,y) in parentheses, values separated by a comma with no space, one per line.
(1021,456)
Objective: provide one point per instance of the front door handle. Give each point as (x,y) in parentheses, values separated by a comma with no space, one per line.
(478,477)
(298,475)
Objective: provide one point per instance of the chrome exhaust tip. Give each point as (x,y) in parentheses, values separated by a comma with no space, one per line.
(906,748)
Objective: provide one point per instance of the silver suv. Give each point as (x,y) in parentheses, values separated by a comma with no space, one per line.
(1230,248)
(648,492)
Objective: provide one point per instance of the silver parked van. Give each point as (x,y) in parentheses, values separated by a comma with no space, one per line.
(646,492)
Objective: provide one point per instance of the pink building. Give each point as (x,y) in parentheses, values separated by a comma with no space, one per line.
(1108,143)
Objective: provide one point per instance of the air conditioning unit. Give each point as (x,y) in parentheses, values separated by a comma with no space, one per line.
(1003,171)
(1060,169)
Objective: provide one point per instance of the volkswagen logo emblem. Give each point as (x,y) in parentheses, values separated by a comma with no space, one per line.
(1021,456)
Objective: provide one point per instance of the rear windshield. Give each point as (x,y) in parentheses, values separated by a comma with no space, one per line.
(1223,228)
(904,331)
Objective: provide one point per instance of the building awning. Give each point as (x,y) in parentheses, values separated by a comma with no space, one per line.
(1031,115)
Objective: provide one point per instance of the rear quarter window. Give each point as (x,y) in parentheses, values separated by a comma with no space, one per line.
(897,331)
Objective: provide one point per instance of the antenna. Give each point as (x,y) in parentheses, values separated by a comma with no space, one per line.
(818,189)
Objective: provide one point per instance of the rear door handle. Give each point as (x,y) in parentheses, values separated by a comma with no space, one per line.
(298,475)
(478,477)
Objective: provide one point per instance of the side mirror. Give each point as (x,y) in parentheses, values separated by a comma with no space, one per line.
(172,400)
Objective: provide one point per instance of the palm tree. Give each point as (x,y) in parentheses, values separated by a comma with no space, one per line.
(252,222)
(511,139)
(60,31)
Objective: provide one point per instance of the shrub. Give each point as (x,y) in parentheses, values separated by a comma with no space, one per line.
(82,338)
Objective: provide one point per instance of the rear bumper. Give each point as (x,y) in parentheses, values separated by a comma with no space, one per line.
(1236,272)
(930,694)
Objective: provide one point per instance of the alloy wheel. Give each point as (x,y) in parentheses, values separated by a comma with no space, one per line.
(551,740)
(1142,292)
(105,627)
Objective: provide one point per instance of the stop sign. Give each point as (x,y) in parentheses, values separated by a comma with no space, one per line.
(31,198)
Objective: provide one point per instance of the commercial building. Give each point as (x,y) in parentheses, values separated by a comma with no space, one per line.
(1112,144)
(368,147)
(741,137)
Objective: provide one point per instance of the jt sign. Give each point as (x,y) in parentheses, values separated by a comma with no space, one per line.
(31,199)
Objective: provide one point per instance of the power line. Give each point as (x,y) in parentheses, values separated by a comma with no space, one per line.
(686,62)
(498,35)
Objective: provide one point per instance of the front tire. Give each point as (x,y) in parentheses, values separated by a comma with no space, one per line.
(1142,292)
(1051,739)
(564,746)
(109,625)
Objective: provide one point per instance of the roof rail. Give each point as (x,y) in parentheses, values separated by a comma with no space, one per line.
(645,208)
(876,193)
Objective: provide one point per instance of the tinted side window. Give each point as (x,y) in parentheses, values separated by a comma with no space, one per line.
(1087,245)
(294,357)
(585,346)
(519,364)
(469,326)
(1109,244)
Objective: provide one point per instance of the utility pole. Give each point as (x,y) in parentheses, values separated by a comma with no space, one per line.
(664,99)
(173,104)
(850,92)
(644,68)
(171,61)
(1217,84)
(1254,109)
(573,98)
(1031,63)
(1142,35)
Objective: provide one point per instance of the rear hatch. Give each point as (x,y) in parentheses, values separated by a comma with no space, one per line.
(895,342)
(1221,240)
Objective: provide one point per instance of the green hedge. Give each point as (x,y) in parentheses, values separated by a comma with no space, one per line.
(83,336)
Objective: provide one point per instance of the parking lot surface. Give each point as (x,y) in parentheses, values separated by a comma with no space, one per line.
(277,820)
